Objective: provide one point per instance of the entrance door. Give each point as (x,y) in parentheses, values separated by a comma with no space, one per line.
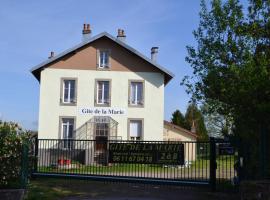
(101,143)
(102,134)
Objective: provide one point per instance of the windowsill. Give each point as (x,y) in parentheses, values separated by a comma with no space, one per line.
(103,68)
(102,105)
(136,106)
(68,104)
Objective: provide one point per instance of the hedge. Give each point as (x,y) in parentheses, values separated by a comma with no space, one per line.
(12,139)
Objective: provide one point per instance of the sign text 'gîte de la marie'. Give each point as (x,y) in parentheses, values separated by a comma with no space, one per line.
(147,153)
(101,111)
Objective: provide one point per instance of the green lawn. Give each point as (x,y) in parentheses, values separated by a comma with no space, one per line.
(223,162)
(198,168)
(116,168)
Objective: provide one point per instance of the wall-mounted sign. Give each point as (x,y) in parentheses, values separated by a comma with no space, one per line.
(102,111)
(147,153)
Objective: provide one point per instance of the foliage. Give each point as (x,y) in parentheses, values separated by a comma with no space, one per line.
(231,71)
(11,140)
(179,119)
(192,115)
(217,125)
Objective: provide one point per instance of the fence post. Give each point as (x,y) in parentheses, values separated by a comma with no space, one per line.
(213,164)
(24,165)
(262,152)
(35,155)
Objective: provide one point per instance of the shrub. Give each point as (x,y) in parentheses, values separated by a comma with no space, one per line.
(11,141)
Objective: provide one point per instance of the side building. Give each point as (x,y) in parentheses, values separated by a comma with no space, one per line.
(173,132)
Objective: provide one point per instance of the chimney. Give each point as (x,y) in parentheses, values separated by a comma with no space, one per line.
(121,35)
(154,52)
(86,32)
(193,127)
(51,55)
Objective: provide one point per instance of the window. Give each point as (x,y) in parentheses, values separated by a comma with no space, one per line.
(136,93)
(102,129)
(103,60)
(135,129)
(103,93)
(68,91)
(67,129)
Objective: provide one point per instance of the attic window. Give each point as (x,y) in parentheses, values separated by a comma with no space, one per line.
(103,59)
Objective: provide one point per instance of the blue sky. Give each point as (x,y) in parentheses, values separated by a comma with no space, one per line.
(31,29)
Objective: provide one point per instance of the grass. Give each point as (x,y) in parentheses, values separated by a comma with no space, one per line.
(198,169)
(222,162)
(52,189)
(114,169)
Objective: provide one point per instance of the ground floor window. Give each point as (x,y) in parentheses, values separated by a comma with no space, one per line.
(67,129)
(135,129)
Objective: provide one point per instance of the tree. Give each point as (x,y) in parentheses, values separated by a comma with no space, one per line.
(178,119)
(217,125)
(194,115)
(231,73)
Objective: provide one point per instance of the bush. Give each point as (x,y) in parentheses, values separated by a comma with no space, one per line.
(11,141)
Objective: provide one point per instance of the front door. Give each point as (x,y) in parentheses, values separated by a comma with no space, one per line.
(101,136)
(101,143)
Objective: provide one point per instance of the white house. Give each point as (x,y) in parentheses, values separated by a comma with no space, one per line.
(101,89)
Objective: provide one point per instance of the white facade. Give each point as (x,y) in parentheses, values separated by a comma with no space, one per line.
(51,110)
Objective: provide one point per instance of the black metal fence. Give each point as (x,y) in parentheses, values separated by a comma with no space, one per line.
(204,163)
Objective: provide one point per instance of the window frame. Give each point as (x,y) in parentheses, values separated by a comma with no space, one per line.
(62,81)
(104,129)
(128,128)
(143,93)
(60,131)
(99,67)
(96,93)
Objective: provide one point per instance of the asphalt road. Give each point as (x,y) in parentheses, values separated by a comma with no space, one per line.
(121,191)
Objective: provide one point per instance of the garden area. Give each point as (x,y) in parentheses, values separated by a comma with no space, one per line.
(197,170)
(18,162)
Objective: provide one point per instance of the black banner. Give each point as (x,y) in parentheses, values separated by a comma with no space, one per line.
(225,149)
(147,153)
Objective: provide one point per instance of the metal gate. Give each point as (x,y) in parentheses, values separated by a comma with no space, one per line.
(211,163)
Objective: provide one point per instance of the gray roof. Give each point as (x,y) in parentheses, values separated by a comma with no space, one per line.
(35,70)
